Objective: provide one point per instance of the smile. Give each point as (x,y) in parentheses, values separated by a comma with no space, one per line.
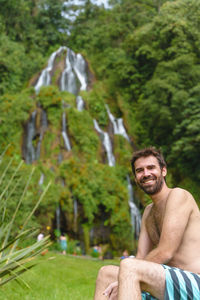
(149,181)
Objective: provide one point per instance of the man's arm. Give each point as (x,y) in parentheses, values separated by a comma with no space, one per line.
(178,210)
(144,247)
(144,243)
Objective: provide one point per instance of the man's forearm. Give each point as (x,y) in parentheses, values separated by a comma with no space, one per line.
(157,256)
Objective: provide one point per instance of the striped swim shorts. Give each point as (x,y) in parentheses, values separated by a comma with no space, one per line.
(180,285)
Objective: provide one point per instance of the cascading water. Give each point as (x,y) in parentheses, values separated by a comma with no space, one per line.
(118,125)
(33,135)
(64,133)
(45,77)
(41,180)
(135,213)
(37,154)
(80,69)
(29,150)
(43,127)
(68,77)
(60,158)
(79,103)
(74,76)
(44,121)
(73,79)
(107,144)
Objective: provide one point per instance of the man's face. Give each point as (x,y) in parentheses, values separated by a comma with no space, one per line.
(148,175)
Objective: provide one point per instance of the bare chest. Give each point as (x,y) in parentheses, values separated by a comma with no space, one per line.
(154,223)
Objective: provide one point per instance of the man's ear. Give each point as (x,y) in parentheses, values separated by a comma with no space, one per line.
(164,171)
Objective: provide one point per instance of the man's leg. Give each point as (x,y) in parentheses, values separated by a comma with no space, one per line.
(106,275)
(136,275)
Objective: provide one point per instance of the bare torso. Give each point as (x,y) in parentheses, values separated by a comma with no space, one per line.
(187,255)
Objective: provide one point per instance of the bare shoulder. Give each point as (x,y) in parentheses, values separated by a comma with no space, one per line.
(180,192)
(147,210)
(179,195)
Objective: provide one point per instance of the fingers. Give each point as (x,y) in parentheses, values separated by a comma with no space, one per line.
(109,289)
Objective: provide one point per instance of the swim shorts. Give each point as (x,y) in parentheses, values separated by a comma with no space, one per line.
(180,285)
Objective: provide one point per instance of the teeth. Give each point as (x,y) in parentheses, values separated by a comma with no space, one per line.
(146,181)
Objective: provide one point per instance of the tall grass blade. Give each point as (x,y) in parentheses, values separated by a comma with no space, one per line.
(2,155)
(9,183)
(17,208)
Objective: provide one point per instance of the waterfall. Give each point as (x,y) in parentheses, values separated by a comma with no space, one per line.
(60,158)
(79,103)
(118,125)
(121,129)
(68,77)
(45,77)
(38,147)
(107,144)
(74,76)
(44,121)
(43,127)
(135,213)
(80,69)
(73,79)
(29,150)
(41,180)
(64,132)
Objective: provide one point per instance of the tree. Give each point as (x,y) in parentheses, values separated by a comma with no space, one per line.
(166,57)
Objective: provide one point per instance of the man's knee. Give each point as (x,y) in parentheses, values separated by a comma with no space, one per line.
(106,273)
(102,272)
(130,266)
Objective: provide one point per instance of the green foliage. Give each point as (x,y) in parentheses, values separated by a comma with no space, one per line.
(49,18)
(81,130)
(15,111)
(28,29)
(95,186)
(52,100)
(95,101)
(168,96)
(15,65)
(122,151)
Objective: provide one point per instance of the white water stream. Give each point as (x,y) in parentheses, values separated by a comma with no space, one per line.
(135,213)
(106,143)
(118,126)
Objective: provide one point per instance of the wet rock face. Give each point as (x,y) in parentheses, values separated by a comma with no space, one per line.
(74,73)
(34,130)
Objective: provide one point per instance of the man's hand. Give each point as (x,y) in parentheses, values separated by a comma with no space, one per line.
(112,291)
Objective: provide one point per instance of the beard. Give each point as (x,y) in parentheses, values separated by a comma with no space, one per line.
(154,188)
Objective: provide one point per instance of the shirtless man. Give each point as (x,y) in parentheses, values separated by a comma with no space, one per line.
(167,263)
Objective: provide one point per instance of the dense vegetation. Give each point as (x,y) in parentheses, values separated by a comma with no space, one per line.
(145,59)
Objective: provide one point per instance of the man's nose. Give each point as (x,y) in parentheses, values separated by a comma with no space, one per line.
(146,172)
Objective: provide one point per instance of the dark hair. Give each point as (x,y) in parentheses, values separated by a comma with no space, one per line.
(148,152)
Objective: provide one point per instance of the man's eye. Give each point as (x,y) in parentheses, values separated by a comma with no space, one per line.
(151,167)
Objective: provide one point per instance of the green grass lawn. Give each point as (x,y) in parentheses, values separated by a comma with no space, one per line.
(57,277)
